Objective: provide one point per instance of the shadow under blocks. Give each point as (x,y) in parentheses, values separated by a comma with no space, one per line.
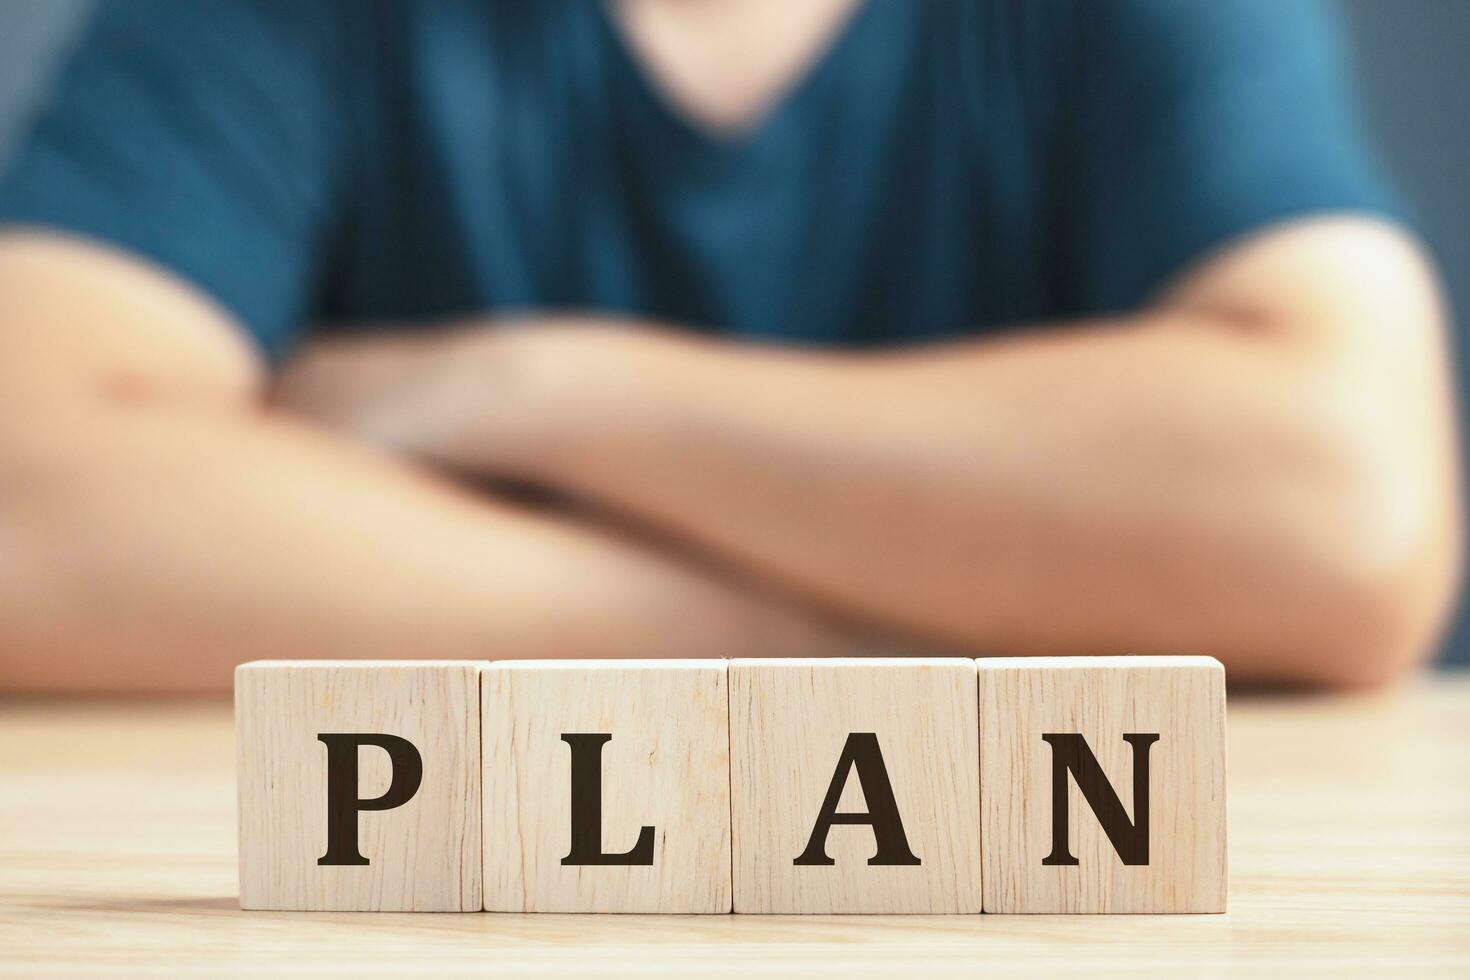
(939,785)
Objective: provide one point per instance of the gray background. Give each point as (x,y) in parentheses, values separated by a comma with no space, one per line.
(1414,60)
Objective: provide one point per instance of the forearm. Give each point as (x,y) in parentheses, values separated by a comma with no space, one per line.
(1260,468)
(1139,486)
(151,548)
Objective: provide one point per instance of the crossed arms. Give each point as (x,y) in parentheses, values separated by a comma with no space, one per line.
(1258,466)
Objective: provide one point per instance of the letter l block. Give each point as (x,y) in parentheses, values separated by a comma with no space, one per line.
(359,785)
(1069,826)
(607,786)
(855,785)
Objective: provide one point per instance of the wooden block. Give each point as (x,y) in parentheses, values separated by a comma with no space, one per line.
(1106,725)
(359,785)
(607,786)
(855,786)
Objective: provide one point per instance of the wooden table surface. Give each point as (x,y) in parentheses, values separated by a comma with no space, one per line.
(1349,854)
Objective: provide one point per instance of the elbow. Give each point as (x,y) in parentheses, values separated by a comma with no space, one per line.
(22,548)
(45,472)
(1388,587)
(1394,628)
(18,574)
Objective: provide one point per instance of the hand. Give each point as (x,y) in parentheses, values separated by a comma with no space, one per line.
(492,398)
(334,380)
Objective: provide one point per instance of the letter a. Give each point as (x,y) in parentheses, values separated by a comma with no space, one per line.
(861,753)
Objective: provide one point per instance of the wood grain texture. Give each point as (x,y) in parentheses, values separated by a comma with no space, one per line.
(789,722)
(424,855)
(666,766)
(1182,700)
(1349,857)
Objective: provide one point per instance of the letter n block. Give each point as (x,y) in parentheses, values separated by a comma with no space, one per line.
(607,786)
(855,786)
(1102,784)
(359,785)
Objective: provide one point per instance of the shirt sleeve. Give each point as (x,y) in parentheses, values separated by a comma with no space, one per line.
(204,135)
(1193,123)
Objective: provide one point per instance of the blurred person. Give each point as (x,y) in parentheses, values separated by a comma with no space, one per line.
(1067,327)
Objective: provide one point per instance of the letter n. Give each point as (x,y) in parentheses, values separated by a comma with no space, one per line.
(1070,753)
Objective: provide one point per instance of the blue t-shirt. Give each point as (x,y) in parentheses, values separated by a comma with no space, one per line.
(941,169)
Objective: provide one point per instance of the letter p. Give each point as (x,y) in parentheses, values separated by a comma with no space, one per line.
(343,803)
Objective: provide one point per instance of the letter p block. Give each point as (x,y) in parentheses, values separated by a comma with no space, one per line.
(359,785)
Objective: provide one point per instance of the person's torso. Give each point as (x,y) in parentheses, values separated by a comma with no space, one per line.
(517,156)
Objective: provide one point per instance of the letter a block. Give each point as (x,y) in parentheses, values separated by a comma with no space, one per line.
(1102,783)
(607,786)
(855,786)
(359,785)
